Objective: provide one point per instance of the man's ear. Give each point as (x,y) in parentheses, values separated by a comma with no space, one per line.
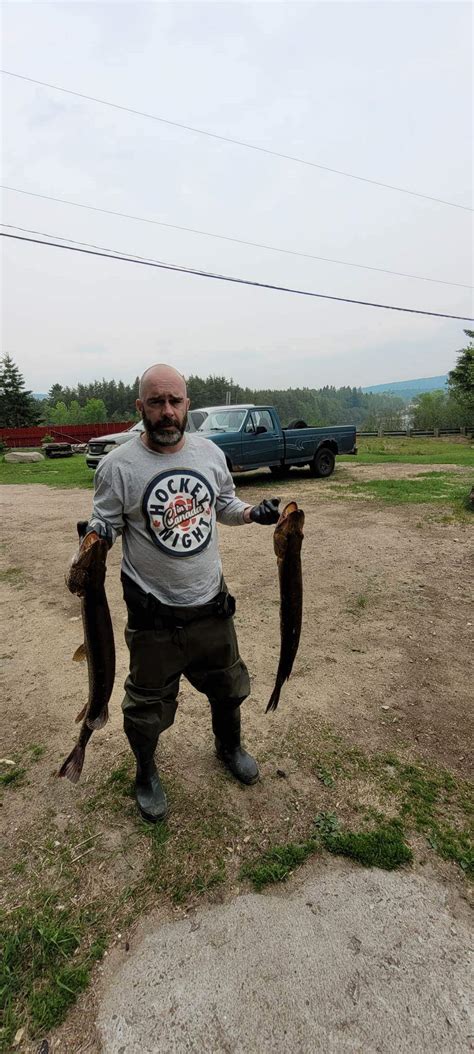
(139,405)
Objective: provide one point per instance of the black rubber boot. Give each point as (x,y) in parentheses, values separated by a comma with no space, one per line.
(226,728)
(149,793)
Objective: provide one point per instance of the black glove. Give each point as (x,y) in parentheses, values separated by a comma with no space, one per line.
(266,512)
(103,530)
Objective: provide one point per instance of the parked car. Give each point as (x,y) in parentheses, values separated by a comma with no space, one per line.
(98,447)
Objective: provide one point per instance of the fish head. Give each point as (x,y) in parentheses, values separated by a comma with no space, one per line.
(289,526)
(87,570)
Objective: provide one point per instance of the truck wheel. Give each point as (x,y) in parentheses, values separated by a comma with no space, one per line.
(323,463)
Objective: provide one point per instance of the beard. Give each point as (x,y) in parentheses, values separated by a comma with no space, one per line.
(168,433)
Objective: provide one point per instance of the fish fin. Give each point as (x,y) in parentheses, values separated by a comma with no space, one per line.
(72,767)
(100,720)
(81,714)
(80,653)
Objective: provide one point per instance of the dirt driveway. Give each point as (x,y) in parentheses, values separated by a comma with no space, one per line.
(385,660)
(388,622)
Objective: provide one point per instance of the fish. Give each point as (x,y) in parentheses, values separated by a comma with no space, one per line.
(86,578)
(287,542)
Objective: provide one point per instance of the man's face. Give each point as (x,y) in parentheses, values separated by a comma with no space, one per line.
(164,411)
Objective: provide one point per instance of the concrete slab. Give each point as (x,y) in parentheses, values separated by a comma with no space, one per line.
(352,960)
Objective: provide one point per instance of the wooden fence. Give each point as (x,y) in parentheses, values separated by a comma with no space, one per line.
(33,437)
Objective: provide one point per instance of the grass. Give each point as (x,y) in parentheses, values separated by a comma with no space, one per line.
(60,472)
(413,451)
(383,846)
(15,774)
(46,963)
(428,488)
(278,863)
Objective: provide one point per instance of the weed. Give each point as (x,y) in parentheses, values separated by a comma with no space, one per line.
(13,776)
(325,776)
(36,751)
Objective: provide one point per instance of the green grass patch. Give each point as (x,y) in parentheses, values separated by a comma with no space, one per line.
(379,451)
(46,962)
(54,472)
(428,488)
(14,776)
(383,847)
(277,863)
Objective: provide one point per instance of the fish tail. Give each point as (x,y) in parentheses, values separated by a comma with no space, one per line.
(72,767)
(274,698)
(100,720)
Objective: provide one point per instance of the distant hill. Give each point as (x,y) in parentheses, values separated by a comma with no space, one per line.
(39,395)
(409,389)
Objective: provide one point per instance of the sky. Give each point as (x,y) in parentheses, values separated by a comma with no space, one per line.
(381,90)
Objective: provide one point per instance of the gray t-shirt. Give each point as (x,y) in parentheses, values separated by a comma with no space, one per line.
(166,505)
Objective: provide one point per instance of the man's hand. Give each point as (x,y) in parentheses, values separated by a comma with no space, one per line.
(102,529)
(266,513)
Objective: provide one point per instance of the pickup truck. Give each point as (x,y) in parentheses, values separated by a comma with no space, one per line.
(254,438)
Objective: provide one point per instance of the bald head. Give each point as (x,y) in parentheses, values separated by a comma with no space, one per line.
(161,376)
(163,404)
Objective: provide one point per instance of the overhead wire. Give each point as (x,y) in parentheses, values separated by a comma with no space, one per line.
(234,142)
(143,262)
(227,238)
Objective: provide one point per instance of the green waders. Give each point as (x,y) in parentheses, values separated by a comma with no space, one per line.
(164,643)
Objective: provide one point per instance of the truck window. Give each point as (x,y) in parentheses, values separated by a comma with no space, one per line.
(223,421)
(260,419)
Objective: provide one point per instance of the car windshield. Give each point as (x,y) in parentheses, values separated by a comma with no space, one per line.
(223,421)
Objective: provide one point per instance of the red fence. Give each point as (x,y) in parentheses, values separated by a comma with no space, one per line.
(26,437)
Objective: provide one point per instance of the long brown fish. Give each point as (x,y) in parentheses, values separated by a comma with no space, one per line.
(287,542)
(86,578)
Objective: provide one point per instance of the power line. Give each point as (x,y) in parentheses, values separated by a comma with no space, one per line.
(111,255)
(226,238)
(234,142)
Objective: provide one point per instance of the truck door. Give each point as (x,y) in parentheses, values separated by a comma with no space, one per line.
(262,443)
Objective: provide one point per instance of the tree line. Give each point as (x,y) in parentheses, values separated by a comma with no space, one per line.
(103,401)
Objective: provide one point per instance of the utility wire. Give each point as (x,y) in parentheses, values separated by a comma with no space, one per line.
(226,238)
(234,142)
(111,255)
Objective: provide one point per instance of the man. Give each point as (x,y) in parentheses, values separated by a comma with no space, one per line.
(163,492)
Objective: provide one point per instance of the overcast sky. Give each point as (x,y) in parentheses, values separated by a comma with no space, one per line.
(379,89)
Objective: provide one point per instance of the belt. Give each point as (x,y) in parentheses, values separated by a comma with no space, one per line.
(147,612)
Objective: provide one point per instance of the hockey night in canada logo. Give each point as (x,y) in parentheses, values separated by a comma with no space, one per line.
(178,512)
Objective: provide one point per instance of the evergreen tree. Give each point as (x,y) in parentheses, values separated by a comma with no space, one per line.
(18,408)
(461,378)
